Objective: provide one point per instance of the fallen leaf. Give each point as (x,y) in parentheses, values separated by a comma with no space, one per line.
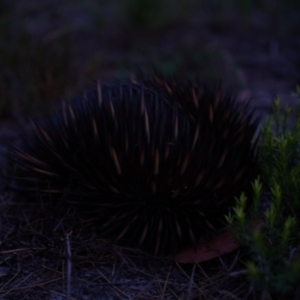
(224,243)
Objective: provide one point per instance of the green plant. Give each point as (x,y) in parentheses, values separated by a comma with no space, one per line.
(280,155)
(269,230)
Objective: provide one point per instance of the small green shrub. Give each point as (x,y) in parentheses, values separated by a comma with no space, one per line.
(270,229)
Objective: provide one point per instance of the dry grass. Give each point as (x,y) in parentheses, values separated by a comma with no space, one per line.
(48,253)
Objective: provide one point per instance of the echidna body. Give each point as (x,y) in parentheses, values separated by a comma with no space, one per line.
(158,163)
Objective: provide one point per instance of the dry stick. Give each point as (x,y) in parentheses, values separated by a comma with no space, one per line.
(231,295)
(154,275)
(166,282)
(187,276)
(157,280)
(60,294)
(204,273)
(69,266)
(189,291)
(18,287)
(14,287)
(112,284)
(20,250)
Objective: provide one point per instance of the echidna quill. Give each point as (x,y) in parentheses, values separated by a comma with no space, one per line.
(157,162)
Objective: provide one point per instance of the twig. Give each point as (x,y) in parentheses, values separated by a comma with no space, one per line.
(69,266)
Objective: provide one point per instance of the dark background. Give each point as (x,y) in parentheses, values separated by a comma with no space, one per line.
(53,49)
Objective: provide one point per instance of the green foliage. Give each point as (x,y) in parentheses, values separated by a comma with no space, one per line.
(270,229)
(280,155)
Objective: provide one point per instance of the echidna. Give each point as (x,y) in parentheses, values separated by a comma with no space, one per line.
(157,162)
